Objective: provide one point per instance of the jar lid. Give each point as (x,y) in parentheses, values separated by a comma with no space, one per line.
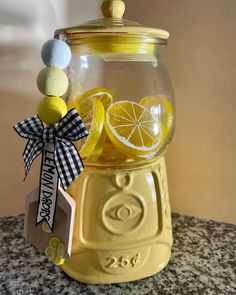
(112,25)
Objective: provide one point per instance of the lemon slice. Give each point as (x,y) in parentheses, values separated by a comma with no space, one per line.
(55,251)
(110,153)
(51,253)
(92,114)
(98,149)
(60,249)
(132,129)
(54,242)
(45,227)
(59,259)
(162,109)
(104,95)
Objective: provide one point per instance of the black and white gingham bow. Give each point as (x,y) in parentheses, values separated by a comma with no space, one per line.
(67,160)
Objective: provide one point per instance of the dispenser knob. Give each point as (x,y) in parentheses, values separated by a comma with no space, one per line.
(113,8)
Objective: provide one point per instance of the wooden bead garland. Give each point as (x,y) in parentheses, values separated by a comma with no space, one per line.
(51,134)
(52,81)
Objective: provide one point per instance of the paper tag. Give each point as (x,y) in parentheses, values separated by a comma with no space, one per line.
(63,222)
(48,187)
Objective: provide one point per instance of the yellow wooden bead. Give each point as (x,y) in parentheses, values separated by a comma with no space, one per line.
(52,81)
(51,109)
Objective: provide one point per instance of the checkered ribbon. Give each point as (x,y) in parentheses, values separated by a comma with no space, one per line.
(71,128)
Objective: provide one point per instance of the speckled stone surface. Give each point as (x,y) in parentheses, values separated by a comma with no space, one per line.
(203,262)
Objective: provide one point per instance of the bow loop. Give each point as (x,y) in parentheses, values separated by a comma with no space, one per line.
(30,128)
(71,127)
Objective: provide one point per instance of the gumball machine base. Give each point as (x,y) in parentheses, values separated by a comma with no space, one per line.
(122,228)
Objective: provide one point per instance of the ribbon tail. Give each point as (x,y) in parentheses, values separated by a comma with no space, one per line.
(45,220)
(30,128)
(48,188)
(32,150)
(68,162)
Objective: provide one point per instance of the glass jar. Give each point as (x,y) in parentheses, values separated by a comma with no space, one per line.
(122,91)
(139,77)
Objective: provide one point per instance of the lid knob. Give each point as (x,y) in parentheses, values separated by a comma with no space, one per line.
(113,8)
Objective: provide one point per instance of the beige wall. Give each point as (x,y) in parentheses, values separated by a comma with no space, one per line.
(201,59)
(201,53)
(24,26)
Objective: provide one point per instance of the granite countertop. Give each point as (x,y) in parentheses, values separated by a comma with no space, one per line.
(203,262)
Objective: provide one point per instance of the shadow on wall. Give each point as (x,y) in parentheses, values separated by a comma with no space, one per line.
(200,56)
(25,26)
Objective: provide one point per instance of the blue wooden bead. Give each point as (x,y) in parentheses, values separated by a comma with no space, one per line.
(56,53)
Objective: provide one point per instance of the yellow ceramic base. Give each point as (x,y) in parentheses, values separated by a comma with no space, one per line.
(122,226)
